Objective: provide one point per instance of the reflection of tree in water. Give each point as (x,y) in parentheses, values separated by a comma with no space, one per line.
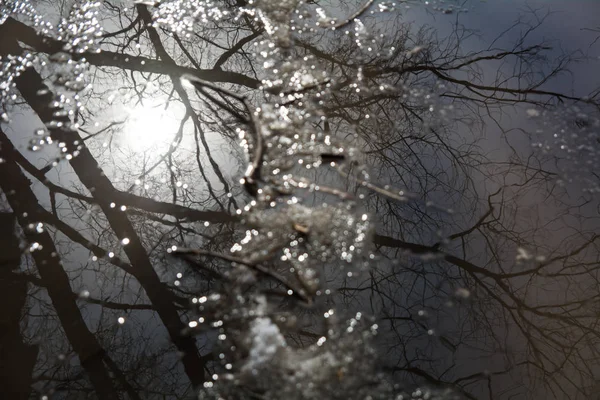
(491,299)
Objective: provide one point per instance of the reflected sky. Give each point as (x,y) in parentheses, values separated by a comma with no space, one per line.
(405,205)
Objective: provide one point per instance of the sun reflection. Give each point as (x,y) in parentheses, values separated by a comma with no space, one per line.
(151,126)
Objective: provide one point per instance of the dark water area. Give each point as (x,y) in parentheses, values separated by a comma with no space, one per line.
(299,200)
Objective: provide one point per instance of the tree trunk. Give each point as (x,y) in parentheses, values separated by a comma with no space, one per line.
(24,204)
(30,85)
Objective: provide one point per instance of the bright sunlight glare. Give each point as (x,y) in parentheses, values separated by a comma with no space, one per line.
(151,127)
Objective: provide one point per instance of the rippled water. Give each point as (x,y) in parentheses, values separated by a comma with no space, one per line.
(323,200)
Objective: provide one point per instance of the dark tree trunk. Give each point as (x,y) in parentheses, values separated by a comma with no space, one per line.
(17,358)
(30,84)
(25,205)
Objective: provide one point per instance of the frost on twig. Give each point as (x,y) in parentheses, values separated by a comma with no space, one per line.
(293,253)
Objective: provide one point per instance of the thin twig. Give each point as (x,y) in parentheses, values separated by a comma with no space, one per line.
(252,175)
(299,292)
(355,15)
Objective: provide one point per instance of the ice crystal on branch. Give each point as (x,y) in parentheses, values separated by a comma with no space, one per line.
(300,246)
